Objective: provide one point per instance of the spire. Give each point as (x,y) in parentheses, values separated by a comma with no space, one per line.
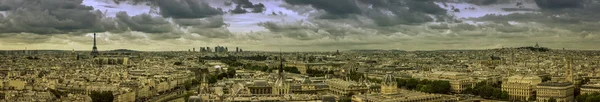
(280,63)
(95,49)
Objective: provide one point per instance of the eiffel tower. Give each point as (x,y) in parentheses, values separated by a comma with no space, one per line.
(95,52)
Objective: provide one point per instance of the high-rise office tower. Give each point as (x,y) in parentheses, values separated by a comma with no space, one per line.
(95,52)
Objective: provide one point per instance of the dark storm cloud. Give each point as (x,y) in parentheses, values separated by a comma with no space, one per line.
(239,10)
(71,17)
(559,4)
(244,3)
(180,8)
(49,17)
(573,18)
(382,12)
(482,2)
(256,8)
(314,30)
(186,9)
(145,23)
(425,6)
(210,27)
(336,7)
(210,22)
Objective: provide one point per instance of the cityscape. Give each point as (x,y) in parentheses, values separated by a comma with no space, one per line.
(330,51)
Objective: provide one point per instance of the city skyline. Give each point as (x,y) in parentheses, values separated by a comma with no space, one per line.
(298,25)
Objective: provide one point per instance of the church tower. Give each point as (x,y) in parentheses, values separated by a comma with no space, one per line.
(95,52)
(281,87)
(203,89)
(569,70)
(389,85)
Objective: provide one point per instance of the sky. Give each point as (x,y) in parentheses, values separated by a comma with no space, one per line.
(298,25)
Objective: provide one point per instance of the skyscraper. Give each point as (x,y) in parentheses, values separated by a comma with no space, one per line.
(95,52)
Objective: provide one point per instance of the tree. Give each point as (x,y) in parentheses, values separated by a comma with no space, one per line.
(345,99)
(104,96)
(231,72)
(412,83)
(212,79)
(178,63)
(350,94)
(551,99)
(440,86)
(468,90)
(504,95)
(401,82)
(546,78)
(531,98)
(291,70)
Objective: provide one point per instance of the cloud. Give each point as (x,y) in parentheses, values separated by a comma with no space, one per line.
(256,8)
(425,6)
(482,2)
(381,12)
(209,22)
(145,23)
(512,29)
(559,4)
(49,17)
(335,7)
(220,33)
(316,29)
(186,9)
(239,10)
(23,38)
(439,26)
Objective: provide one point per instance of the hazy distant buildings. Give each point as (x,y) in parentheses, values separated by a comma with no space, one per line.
(221,49)
(218,49)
